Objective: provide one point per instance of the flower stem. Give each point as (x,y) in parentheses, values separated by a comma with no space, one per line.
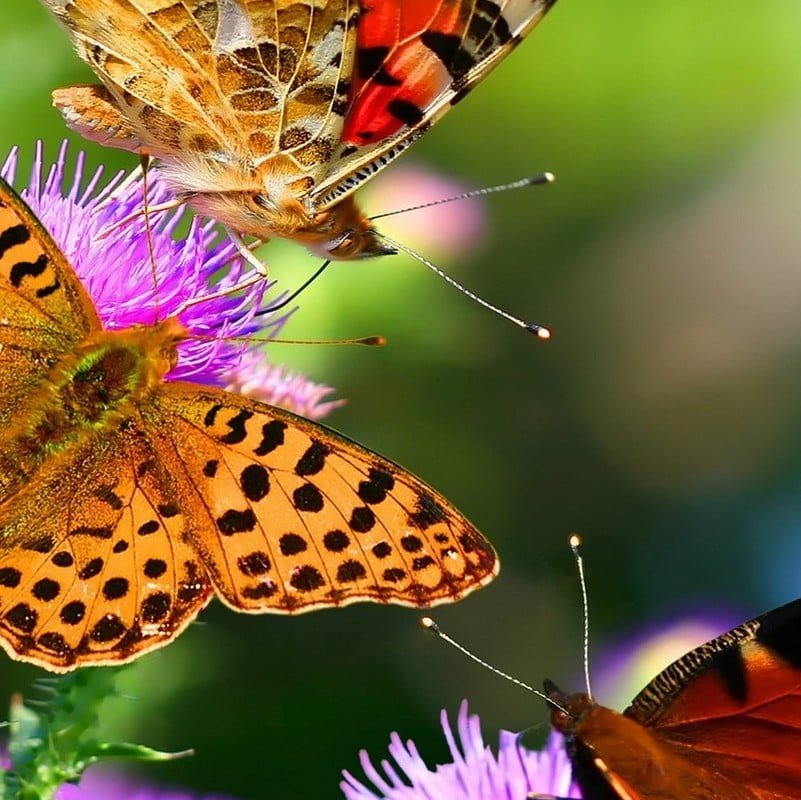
(54,736)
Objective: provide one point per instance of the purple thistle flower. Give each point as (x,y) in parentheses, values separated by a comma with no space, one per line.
(114,263)
(475,774)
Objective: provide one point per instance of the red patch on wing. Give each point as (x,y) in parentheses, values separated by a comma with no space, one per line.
(396,75)
(741,717)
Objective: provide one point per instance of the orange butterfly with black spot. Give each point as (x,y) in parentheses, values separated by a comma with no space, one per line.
(721,723)
(128,500)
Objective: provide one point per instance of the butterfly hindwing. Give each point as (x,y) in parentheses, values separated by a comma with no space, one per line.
(290,516)
(238,80)
(106,573)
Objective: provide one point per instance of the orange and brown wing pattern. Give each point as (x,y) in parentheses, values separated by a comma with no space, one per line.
(289,516)
(154,58)
(106,574)
(416,59)
(237,79)
(43,307)
(733,706)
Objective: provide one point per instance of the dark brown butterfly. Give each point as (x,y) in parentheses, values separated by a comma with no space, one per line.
(721,723)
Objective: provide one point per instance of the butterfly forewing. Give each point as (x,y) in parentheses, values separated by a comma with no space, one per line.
(44,310)
(415,60)
(733,705)
(290,516)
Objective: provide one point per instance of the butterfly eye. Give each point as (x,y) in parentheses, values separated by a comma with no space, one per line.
(343,246)
(560,720)
(262,201)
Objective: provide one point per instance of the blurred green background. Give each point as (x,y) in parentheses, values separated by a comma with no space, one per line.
(663,421)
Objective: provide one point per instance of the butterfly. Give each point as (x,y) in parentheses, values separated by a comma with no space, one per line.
(128,500)
(723,722)
(267,115)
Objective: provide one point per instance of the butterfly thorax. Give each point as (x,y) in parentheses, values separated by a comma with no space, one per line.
(609,748)
(91,390)
(277,206)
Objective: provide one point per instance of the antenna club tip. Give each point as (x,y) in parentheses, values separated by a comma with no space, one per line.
(541,178)
(539,331)
(429,624)
(373,341)
(574,541)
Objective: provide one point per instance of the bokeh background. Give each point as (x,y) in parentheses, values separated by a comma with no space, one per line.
(662,421)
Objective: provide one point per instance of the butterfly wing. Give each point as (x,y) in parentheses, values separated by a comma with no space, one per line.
(44,309)
(159,91)
(416,59)
(733,705)
(213,88)
(208,491)
(107,573)
(289,516)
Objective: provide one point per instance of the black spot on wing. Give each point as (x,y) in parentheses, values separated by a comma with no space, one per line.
(13,236)
(255,482)
(449,50)
(27,269)
(237,430)
(272,437)
(780,632)
(370,59)
(211,415)
(405,111)
(730,666)
(233,521)
(313,460)
(10,577)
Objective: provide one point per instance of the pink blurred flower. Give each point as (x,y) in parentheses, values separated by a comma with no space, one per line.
(272,383)
(441,232)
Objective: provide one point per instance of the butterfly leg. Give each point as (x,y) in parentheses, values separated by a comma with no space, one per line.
(246,252)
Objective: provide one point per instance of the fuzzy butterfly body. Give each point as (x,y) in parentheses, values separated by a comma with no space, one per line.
(128,500)
(269,114)
(721,723)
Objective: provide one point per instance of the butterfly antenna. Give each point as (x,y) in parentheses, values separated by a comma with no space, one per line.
(431,625)
(522,183)
(368,341)
(575,545)
(539,331)
(144,160)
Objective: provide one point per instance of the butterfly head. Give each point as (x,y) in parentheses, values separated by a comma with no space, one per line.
(344,233)
(156,346)
(567,710)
